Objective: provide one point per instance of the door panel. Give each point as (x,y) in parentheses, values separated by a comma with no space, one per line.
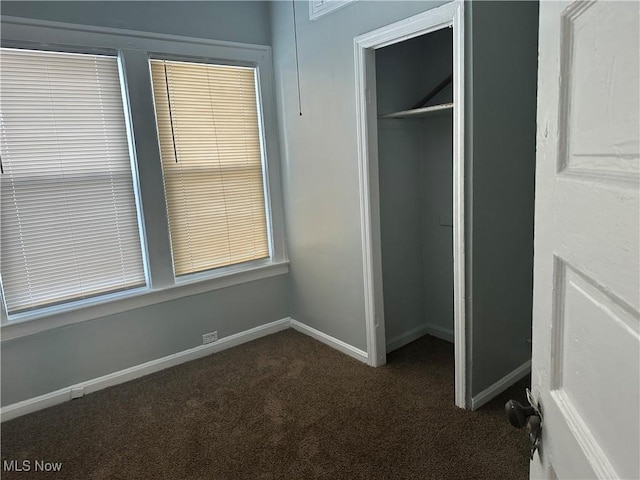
(586,320)
(599,103)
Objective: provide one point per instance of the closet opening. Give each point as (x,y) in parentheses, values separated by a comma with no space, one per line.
(409,81)
(414,97)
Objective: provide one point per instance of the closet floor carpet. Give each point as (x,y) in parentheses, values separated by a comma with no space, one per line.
(281,407)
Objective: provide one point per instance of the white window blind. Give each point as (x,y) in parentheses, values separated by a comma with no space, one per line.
(69,219)
(210,145)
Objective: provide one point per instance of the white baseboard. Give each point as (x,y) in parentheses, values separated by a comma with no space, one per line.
(331,341)
(500,386)
(78,390)
(64,394)
(407,337)
(440,332)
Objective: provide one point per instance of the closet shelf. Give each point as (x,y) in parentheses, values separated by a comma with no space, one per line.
(421,112)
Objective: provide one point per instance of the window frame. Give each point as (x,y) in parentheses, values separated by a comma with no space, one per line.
(134,50)
(186,278)
(115,294)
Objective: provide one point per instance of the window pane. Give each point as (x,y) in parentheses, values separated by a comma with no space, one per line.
(69,219)
(209,133)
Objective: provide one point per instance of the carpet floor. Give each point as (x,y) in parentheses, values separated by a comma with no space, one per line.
(281,407)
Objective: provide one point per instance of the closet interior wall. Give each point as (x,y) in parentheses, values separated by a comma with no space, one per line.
(415,158)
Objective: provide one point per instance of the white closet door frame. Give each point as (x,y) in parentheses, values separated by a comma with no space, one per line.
(450,15)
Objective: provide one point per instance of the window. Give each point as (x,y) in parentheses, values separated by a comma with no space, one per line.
(128,180)
(69,219)
(210,145)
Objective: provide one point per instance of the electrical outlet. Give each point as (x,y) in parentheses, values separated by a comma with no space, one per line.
(209,337)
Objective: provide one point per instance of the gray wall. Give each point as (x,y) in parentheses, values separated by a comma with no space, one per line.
(399,86)
(320,168)
(416,210)
(37,364)
(502,53)
(321,178)
(57,358)
(245,22)
(401,213)
(415,159)
(437,226)
(437,191)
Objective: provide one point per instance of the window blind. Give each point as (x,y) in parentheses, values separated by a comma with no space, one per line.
(210,145)
(69,219)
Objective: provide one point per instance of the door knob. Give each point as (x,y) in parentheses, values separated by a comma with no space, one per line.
(517,413)
(528,416)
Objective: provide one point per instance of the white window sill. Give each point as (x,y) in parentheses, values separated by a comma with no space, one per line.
(30,323)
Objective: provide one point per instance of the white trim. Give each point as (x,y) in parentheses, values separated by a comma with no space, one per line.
(49,33)
(450,14)
(442,333)
(103,306)
(377,357)
(597,458)
(459,254)
(501,385)
(331,341)
(409,336)
(411,27)
(134,49)
(319,8)
(406,338)
(89,386)
(64,394)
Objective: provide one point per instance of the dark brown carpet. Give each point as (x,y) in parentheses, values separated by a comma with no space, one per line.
(282,407)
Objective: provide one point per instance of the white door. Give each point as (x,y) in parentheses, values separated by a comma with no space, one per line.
(586,325)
